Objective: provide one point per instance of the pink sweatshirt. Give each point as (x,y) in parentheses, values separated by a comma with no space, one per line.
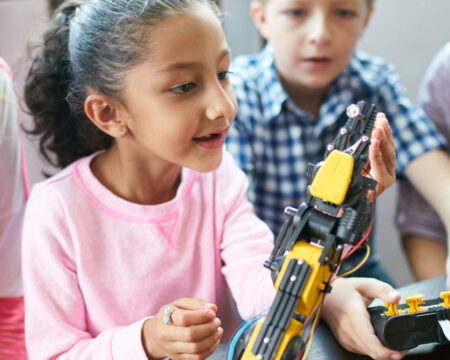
(97,266)
(13,193)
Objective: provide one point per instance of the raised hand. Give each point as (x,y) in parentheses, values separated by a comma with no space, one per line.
(382,154)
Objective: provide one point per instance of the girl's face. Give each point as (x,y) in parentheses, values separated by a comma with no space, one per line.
(313,40)
(179,103)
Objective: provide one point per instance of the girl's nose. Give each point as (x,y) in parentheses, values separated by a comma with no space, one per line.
(221,103)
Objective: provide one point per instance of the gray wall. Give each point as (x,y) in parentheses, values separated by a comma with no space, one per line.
(405,32)
(21,21)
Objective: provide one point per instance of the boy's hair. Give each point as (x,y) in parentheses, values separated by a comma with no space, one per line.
(369,2)
(89,45)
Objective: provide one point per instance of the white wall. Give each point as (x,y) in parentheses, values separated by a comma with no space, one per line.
(405,32)
(21,21)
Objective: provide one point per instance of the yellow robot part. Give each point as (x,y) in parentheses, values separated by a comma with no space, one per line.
(333,178)
(310,298)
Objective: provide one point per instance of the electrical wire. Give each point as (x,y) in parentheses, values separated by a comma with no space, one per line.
(308,340)
(357,267)
(364,238)
(240,331)
(311,333)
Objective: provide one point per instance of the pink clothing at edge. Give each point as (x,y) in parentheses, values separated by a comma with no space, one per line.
(96,266)
(12,203)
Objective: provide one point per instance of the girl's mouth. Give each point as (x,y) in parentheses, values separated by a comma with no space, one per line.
(211,141)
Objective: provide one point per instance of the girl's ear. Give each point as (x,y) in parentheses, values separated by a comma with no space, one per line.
(104,113)
(259,17)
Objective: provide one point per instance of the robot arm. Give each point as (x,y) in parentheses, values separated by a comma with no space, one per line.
(309,248)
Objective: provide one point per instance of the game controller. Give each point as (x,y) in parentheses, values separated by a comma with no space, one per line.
(405,326)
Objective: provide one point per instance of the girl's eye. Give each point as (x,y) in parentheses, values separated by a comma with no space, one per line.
(346,14)
(182,89)
(296,13)
(223,75)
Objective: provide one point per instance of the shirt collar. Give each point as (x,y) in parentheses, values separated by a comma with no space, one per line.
(273,96)
(350,85)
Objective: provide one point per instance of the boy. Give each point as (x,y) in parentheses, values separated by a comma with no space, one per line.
(292,98)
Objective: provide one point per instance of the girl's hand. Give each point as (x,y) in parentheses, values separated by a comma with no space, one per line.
(345,310)
(192,331)
(382,154)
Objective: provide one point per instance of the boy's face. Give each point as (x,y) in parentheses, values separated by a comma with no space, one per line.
(313,40)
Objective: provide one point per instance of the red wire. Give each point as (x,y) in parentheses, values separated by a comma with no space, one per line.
(366,235)
(364,238)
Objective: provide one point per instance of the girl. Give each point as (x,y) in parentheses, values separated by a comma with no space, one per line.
(132,250)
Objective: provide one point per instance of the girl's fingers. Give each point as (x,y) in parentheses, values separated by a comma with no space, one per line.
(182,318)
(194,304)
(194,333)
(203,355)
(188,311)
(206,345)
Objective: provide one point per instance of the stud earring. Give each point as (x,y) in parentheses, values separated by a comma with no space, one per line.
(122,132)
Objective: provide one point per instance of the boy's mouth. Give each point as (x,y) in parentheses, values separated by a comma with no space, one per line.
(318,59)
(317,62)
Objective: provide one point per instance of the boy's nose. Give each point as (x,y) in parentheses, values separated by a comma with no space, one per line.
(220,104)
(319,29)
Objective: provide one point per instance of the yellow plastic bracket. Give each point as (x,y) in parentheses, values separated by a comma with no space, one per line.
(414,302)
(310,298)
(445,295)
(333,178)
(392,309)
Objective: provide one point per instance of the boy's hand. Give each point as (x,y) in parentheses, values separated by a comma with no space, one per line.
(192,330)
(382,154)
(345,310)
(447,268)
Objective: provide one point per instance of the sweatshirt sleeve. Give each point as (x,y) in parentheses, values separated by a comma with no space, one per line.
(55,316)
(247,242)
(434,92)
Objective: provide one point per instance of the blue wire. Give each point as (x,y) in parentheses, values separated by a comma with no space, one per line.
(238,333)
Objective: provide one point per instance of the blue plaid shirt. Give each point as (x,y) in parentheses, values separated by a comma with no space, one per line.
(272,139)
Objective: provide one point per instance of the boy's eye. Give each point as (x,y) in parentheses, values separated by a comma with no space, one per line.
(345,13)
(182,89)
(223,75)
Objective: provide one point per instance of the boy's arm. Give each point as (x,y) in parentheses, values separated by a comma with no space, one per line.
(430,174)
(426,256)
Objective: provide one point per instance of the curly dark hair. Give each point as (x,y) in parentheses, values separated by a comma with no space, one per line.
(89,44)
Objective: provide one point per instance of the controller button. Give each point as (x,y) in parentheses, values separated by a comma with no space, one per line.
(414,302)
(392,309)
(445,295)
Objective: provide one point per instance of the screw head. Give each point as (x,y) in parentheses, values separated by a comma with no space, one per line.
(353,110)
